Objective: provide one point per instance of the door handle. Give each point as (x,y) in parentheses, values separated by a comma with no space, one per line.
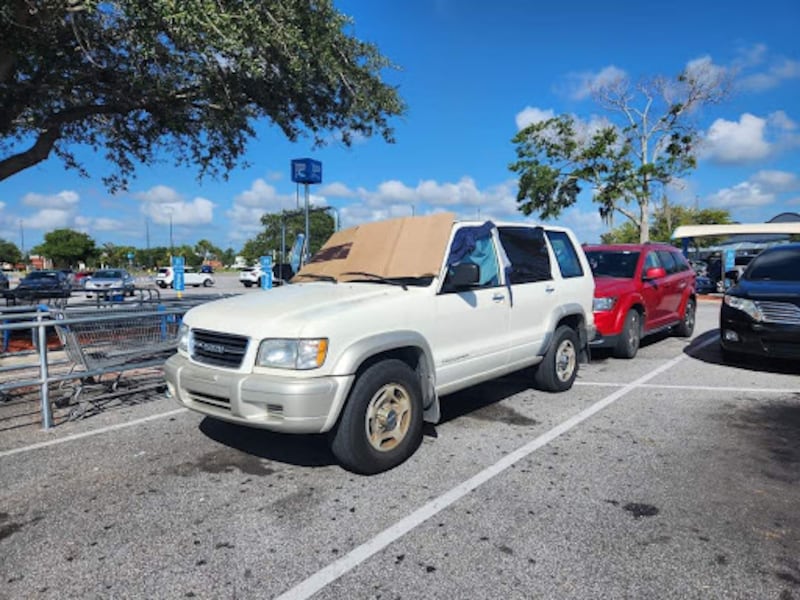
(549,289)
(498,297)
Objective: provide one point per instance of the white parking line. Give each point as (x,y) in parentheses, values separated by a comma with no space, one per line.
(85,434)
(699,388)
(358,555)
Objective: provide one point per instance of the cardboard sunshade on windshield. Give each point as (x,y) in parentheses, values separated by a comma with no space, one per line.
(396,248)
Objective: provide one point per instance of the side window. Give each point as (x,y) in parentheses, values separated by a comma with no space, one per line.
(668,261)
(526,249)
(680,260)
(650,262)
(566,256)
(475,250)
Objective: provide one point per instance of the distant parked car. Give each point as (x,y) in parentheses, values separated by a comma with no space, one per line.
(3,281)
(110,280)
(760,314)
(45,284)
(79,279)
(206,269)
(166,278)
(640,289)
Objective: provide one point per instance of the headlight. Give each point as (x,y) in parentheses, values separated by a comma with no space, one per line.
(292,354)
(184,338)
(746,306)
(603,304)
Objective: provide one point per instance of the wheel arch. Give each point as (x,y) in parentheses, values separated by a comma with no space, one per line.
(408,346)
(573,316)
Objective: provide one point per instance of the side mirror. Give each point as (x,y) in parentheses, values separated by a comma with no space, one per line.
(463,275)
(733,275)
(654,273)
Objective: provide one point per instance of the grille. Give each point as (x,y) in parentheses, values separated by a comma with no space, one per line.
(211,399)
(218,349)
(780,312)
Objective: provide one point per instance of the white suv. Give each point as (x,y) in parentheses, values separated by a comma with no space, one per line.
(385,319)
(166,277)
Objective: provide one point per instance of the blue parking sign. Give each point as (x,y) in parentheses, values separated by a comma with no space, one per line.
(306,170)
(178,282)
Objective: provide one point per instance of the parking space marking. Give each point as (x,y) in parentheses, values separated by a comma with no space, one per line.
(85,434)
(332,572)
(700,388)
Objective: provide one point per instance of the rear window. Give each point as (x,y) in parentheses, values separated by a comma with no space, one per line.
(775,265)
(566,256)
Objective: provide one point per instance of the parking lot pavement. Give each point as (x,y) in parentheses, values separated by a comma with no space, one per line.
(667,476)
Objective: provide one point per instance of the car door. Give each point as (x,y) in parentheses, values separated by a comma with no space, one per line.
(654,293)
(673,286)
(533,290)
(470,331)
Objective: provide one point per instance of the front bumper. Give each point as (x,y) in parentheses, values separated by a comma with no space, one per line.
(739,333)
(284,404)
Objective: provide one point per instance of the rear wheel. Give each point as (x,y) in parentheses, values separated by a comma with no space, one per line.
(247,284)
(628,342)
(558,369)
(686,327)
(381,423)
(207,283)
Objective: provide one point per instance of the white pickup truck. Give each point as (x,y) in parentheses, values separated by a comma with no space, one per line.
(384,320)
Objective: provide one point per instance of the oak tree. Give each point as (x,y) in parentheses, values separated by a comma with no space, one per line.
(185,78)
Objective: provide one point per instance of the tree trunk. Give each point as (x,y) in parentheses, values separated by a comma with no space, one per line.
(644,223)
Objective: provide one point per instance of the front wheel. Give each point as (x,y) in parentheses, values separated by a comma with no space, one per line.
(558,369)
(207,283)
(630,338)
(381,423)
(686,327)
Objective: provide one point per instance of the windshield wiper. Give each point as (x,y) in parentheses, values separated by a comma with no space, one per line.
(377,278)
(318,277)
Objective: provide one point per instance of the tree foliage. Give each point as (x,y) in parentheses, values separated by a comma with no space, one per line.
(186,77)
(645,141)
(67,248)
(320,227)
(664,221)
(9,252)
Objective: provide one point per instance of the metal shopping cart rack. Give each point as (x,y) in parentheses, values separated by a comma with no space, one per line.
(112,342)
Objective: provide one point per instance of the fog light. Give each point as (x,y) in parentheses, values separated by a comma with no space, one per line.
(730,336)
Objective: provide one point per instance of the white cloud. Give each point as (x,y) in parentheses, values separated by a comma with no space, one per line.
(776,181)
(704,71)
(736,141)
(743,195)
(47,219)
(337,190)
(64,200)
(579,86)
(781,121)
(163,205)
(530,115)
(780,71)
(89,224)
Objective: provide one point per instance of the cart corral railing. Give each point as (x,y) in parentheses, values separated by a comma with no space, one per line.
(91,342)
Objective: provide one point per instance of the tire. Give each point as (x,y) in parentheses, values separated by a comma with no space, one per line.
(631,336)
(387,391)
(558,369)
(686,327)
(207,283)
(247,284)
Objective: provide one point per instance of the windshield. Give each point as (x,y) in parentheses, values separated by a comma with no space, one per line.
(41,275)
(613,263)
(775,265)
(107,275)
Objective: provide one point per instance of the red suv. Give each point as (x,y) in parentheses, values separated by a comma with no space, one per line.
(640,289)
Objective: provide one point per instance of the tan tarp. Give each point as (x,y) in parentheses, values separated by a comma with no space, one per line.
(404,247)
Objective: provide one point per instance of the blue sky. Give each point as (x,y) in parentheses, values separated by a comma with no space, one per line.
(473,72)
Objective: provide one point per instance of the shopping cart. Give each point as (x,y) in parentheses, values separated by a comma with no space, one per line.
(112,342)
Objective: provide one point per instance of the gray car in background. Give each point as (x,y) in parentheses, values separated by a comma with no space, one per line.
(104,281)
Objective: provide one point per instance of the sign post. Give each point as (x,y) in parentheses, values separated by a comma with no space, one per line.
(306,171)
(178,282)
